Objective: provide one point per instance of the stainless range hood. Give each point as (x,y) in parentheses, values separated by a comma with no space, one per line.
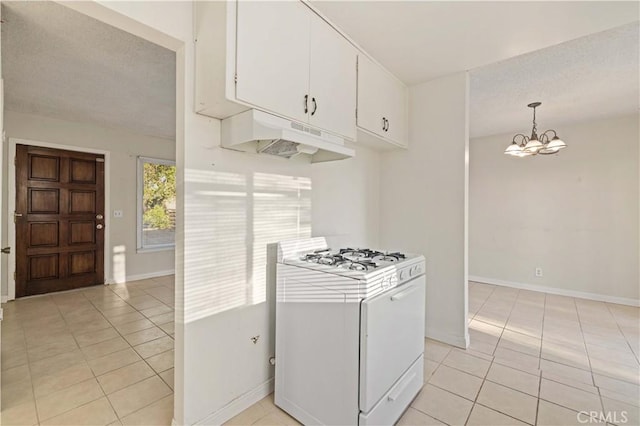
(262,133)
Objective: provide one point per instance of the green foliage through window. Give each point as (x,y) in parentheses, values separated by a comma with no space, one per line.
(159,196)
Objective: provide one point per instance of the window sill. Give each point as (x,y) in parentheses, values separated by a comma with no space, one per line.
(155,249)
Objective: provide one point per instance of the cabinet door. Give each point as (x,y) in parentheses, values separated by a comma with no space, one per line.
(272,56)
(396,112)
(332,80)
(373,95)
(381,97)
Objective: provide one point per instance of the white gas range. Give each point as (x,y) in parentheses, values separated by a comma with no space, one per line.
(349,333)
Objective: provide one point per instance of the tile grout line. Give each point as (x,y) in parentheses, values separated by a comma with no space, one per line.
(484,379)
(33,390)
(80,291)
(93,372)
(94,307)
(626,340)
(142,358)
(593,379)
(544,314)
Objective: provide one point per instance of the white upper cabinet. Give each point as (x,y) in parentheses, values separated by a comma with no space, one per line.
(332,80)
(290,62)
(272,56)
(382,106)
(283,58)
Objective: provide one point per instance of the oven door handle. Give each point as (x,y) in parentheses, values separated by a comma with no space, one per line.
(403,294)
(393,396)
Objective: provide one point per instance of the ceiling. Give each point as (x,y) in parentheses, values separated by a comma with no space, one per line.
(593,77)
(421,40)
(60,63)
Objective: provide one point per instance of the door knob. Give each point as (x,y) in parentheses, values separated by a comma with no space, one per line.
(99,217)
(99,226)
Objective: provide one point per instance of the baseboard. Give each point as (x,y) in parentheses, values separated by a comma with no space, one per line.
(450,339)
(238,405)
(137,277)
(558,291)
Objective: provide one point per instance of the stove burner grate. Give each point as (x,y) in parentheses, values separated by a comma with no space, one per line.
(354,259)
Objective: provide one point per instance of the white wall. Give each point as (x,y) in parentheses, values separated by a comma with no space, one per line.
(124,146)
(423,200)
(346,200)
(575,215)
(226,299)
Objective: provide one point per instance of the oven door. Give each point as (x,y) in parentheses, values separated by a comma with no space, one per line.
(391,338)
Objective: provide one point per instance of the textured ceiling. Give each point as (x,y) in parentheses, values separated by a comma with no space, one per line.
(60,63)
(592,77)
(421,40)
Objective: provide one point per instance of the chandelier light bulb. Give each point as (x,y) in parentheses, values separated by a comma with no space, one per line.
(533,146)
(513,149)
(556,143)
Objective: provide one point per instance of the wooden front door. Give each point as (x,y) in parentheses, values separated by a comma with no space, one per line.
(59,220)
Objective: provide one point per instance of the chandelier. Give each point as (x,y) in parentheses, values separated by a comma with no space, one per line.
(523,146)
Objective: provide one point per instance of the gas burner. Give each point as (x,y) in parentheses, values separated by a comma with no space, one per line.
(389,257)
(359,253)
(397,255)
(385,258)
(360,265)
(312,257)
(331,259)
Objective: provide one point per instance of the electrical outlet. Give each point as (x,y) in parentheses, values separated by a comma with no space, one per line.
(538,272)
(118,213)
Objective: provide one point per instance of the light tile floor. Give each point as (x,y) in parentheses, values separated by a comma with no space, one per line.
(105,355)
(101,355)
(534,358)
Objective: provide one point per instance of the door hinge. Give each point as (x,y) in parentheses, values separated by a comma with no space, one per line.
(14,276)
(356,113)
(235,78)
(15,161)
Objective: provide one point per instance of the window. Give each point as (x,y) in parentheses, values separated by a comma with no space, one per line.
(156,204)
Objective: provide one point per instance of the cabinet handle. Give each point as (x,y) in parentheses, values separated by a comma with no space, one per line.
(387,129)
(306,104)
(384,124)
(315,106)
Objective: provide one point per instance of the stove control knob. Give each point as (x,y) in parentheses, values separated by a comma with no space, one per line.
(401,275)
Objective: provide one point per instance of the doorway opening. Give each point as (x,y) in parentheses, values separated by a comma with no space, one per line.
(83,86)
